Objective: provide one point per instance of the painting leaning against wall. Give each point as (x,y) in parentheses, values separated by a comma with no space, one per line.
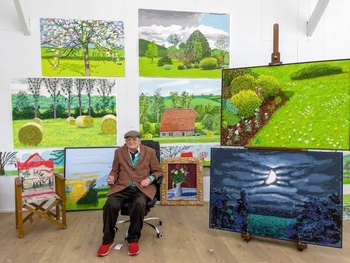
(287,195)
(63,112)
(86,171)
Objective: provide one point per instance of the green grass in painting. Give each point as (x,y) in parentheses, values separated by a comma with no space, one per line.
(152,70)
(324,99)
(346,180)
(73,206)
(76,68)
(262,225)
(58,133)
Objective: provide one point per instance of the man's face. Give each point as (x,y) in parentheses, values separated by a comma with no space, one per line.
(133,143)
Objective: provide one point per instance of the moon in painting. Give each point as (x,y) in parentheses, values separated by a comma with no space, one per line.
(272,177)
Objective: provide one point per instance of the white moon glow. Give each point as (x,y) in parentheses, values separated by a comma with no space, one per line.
(272,177)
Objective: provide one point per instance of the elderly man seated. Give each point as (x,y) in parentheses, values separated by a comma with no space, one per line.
(134,168)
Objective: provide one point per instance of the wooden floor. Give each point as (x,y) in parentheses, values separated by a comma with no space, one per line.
(186,238)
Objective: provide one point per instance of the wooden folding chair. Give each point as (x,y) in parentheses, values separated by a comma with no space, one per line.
(39,193)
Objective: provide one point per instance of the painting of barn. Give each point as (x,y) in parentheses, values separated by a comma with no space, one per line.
(178,122)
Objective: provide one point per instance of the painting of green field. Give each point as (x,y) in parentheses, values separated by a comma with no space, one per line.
(176,44)
(301,105)
(76,67)
(151,69)
(63,112)
(59,133)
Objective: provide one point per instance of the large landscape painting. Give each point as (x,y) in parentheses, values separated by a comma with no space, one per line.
(287,195)
(63,112)
(302,105)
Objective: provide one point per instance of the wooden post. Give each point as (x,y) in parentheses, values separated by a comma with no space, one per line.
(275,56)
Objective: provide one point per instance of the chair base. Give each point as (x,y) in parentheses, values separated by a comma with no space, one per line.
(145,221)
(55,213)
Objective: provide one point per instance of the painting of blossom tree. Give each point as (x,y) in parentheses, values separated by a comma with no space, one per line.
(72,47)
(287,195)
(301,105)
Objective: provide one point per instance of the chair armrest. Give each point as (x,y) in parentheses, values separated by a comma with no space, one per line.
(158,181)
(60,186)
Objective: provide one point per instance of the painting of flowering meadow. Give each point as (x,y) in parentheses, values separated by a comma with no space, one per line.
(86,171)
(287,195)
(301,105)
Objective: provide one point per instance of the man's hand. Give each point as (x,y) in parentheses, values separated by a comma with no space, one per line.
(110,180)
(146,182)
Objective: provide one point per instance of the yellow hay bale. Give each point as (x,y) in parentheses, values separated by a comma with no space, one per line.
(109,124)
(71,120)
(84,121)
(59,119)
(38,121)
(30,134)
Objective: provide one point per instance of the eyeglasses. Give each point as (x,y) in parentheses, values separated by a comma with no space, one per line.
(132,139)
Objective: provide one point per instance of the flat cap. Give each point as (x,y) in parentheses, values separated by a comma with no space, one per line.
(132,133)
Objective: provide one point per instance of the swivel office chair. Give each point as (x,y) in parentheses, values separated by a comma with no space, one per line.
(151,203)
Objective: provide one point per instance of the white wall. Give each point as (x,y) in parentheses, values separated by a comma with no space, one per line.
(251,44)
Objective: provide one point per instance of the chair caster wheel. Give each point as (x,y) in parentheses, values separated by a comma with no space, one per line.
(160,222)
(159,235)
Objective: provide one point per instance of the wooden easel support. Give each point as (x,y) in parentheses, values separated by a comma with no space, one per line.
(275,56)
(246,236)
(301,246)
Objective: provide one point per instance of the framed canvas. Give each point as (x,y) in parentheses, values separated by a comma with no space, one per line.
(287,195)
(86,171)
(182,181)
(288,106)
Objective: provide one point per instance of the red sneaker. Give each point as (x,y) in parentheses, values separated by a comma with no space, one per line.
(133,249)
(104,249)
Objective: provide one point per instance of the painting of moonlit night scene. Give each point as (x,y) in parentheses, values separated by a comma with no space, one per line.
(287,195)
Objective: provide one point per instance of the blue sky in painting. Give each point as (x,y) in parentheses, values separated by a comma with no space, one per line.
(219,21)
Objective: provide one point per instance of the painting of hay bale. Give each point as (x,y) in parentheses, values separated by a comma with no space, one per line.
(63,112)
(30,134)
(109,124)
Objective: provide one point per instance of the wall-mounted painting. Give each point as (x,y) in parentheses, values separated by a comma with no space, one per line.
(301,105)
(180,110)
(182,181)
(9,159)
(287,195)
(86,171)
(72,47)
(183,44)
(63,112)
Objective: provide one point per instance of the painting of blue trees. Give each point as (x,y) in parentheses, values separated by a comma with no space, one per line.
(287,195)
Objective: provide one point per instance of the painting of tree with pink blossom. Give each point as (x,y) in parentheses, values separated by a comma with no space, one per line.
(71,47)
